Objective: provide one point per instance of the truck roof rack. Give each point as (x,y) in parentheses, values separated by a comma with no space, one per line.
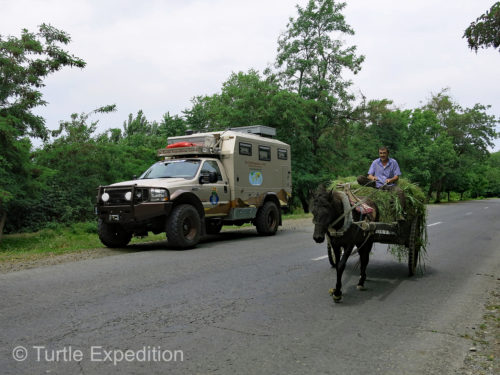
(188,151)
(263,131)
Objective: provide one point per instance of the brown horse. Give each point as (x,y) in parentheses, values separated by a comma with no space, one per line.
(333,216)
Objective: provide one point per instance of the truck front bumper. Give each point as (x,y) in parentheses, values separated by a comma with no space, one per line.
(132,214)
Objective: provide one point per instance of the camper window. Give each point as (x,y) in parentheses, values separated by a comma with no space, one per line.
(264,153)
(245,149)
(282,154)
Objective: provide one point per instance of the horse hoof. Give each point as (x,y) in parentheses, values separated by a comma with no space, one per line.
(335,298)
(361,287)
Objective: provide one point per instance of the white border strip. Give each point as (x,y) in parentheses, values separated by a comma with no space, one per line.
(320,258)
(431,225)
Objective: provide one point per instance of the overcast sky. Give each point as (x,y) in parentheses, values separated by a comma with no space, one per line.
(157,55)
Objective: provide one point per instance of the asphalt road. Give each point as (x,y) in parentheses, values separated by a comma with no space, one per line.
(243,304)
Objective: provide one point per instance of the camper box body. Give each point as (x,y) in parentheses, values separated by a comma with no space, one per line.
(255,167)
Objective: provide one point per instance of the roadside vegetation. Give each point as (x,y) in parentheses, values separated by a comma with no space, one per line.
(58,239)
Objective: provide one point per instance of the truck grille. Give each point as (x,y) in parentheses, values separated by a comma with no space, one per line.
(117,196)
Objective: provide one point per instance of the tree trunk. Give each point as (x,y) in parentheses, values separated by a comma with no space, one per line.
(438,191)
(304,201)
(429,194)
(3,218)
(448,196)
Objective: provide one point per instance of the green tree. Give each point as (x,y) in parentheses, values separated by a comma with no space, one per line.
(387,126)
(76,162)
(375,124)
(471,129)
(244,100)
(139,132)
(447,145)
(427,155)
(492,175)
(77,130)
(249,99)
(24,64)
(138,125)
(485,31)
(171,126)
(310,62)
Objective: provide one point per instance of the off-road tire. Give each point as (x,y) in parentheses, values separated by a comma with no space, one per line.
(213,226)
(183,227)
(113,235)
(267,219)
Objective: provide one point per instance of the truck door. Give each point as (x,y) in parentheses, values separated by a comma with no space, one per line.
(215,197)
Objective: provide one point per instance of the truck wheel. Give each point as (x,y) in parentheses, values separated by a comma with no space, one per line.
(267,219)
(183,227)
(113,235)
(213,226)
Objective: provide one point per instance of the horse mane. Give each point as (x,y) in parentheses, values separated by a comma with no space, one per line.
(330,199)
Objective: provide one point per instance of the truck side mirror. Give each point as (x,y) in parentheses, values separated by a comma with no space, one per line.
(208,177)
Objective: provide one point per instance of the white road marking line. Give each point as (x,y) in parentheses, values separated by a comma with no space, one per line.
(319,258)
(486,207)
(468,213)
(431,225)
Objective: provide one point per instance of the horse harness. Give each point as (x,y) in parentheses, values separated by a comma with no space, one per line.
(349,203)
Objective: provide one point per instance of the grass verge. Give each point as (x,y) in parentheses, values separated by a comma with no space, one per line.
(58,239)
(55,240)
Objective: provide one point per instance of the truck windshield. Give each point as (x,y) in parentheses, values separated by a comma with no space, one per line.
(172,169)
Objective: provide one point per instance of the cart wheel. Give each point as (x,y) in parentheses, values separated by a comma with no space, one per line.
(413,247)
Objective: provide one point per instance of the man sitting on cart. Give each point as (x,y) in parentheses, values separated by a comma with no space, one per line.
(384,174)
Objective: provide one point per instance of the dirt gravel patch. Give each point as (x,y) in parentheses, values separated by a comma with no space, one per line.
(483,357)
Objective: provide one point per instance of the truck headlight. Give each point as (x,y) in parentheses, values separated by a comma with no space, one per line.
(128,195)
(158,195)
(105,197)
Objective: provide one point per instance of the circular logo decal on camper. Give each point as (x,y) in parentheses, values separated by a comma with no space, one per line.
(255,178)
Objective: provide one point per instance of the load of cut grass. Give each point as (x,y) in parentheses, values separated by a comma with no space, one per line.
(390,209)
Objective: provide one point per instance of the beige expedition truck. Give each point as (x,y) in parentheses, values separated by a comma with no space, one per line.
(203,181)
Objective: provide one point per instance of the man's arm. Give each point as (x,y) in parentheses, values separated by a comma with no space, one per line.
(396,171)
(371,171)
(392,179)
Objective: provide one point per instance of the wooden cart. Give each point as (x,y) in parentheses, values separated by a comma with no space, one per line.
(403,232)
